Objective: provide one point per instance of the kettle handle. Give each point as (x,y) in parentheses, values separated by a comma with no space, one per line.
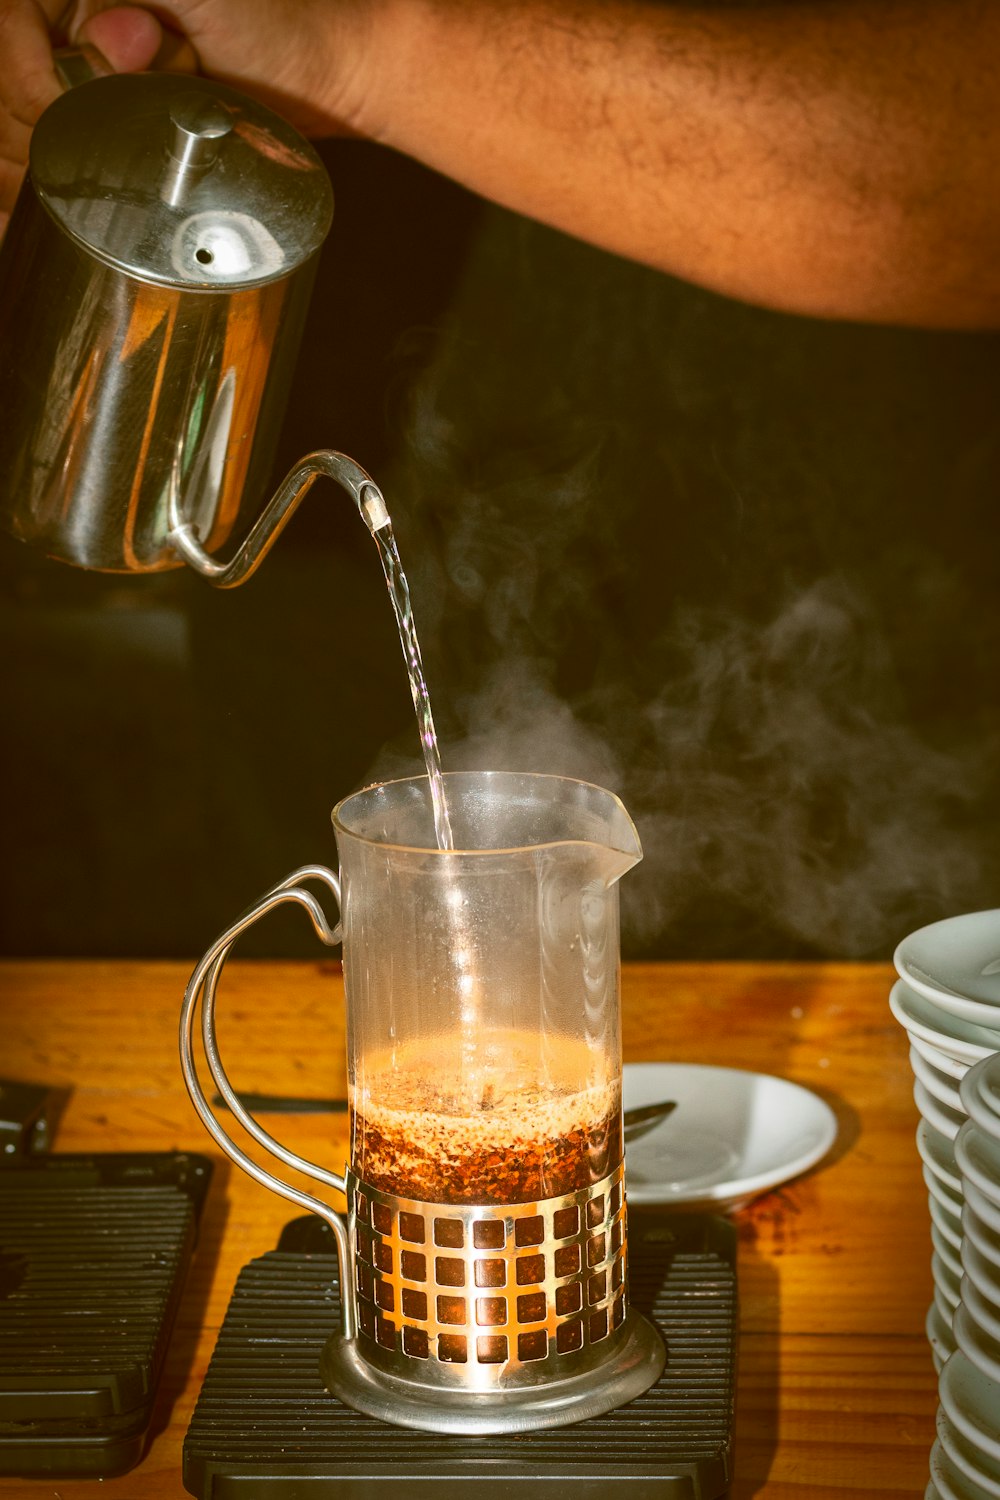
(80,65)
(202,986)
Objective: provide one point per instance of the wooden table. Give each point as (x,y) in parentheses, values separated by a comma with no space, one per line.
(836,1389)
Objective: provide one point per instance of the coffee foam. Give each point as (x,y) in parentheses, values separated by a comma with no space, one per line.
(425,1111)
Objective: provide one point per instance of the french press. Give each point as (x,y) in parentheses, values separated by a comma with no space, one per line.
(483,1252)
(154,282)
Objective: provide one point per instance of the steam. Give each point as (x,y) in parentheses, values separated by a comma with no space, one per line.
(768,778)
(769,773)
(601,592)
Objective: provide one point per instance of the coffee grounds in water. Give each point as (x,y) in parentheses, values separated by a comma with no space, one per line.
(491,1140)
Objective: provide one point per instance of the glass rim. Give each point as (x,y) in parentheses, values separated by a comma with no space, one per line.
(629,846)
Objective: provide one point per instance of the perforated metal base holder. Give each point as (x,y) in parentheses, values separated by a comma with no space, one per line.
(265,1428)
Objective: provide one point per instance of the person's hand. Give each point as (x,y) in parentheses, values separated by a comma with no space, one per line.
(302,57)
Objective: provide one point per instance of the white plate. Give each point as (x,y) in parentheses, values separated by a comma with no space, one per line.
(946,1252)
(972,1401)
(939,1334)
(946,1286)
(956,963)
(937,1151)
(947,1120)
(965,1456)
(975,1342)
(945,1195)
(979,1234)
(952,1481)
(947,1221)
(988,1082)
(945,1306)
(733,1134)
(957,1038)
(936,1082)
(985,1312)
(981,1097)
(950,1066)
(987,1211)
(982,1274)
(978,1159)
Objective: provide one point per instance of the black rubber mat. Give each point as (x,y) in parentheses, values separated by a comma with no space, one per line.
(93,1253)
(265,1429)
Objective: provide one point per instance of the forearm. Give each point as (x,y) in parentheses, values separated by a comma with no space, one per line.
(835,159)
(831,157)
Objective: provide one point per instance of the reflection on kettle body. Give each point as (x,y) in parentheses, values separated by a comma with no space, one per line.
(231,244)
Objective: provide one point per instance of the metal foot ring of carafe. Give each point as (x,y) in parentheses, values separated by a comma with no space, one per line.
(479,1319)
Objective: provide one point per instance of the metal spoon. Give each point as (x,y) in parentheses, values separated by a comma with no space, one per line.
(636,1122)
(643,1118)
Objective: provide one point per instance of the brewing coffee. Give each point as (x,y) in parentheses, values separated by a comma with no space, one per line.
(483,1257)
(504,1125)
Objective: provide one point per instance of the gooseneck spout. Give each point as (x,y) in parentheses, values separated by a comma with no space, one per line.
(277,513)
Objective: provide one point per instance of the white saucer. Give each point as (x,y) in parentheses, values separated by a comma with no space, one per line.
(972,1401)
(981,1095)
(976,1343)
(938,1059)
(950,1200)
(954,1482)
(937,1151)
(946,1253)
(944,1119)
(956,963)
(948,1223)
(960,1039)
(979,1234)
(939,1334)
(982,1273)
(988,1212)
(733,1134)
(969,1460)
(946,1287)
(936,1082)
(985,1312)
(951,1482)
(977,1156)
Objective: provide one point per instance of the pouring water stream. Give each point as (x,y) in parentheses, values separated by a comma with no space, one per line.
(399,593)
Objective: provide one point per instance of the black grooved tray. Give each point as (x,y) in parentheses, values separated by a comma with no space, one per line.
(93,1254)
(265,1429)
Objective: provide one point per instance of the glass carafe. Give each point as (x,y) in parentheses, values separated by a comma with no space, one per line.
(483,1259)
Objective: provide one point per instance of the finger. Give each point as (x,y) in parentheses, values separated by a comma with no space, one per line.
(132,40)
(128,37)
(176,54)
(14,141)
(28,79)
(11,175)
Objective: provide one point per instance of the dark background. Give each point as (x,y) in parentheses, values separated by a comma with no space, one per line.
(740,566)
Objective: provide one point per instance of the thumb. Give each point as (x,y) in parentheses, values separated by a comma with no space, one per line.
(133,40)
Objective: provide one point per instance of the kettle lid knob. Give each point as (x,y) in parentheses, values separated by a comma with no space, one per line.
(199,126)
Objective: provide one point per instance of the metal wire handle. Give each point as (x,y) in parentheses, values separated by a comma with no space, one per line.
(202,987)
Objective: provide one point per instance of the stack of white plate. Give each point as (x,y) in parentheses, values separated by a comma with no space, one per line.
(948,999)
(965,1460)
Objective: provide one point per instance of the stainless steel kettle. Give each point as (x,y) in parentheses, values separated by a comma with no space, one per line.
(154,282)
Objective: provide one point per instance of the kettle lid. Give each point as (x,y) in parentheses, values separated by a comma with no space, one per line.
(180,181)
